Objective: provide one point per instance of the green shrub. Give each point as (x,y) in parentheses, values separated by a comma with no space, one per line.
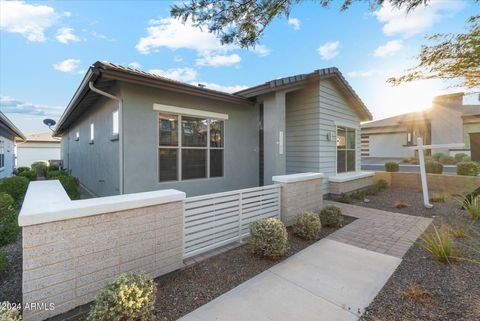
(307,225)
(434,167)
(29,174)
(3,261)
(22,169)
(439,243)
(8,220)
(381,184)
(331,215)
(9,312)
(70,184)
(377,187)
(344,198)
(269,238)
(437,156)
(15,186)
(467,169)
(55,174)
(40,167)
(391,167)
(472,206)
(130,297)
(447,160)
(53,168)
(460,157)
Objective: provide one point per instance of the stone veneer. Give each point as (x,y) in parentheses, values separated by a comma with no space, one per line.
(300,192)
(350,185)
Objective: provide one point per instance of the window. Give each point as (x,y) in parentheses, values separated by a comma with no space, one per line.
(2,153)
(345,149)
(189,147)
(92,132)
(77,136)
(115,122)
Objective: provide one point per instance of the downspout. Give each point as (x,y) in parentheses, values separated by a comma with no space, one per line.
(120,129)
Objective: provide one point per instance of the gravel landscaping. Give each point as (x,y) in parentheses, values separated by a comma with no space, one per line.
(423,288)
(11,277)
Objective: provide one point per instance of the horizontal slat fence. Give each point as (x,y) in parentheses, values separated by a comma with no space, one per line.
(214,220)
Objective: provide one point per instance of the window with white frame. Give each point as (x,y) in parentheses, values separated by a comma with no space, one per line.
(190,147)
(92,132)
(77,136)
(115,122)
(345,149)
(2,153)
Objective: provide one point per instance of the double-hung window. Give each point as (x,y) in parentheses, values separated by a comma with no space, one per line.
(2,154)
(345,149)
(190,147)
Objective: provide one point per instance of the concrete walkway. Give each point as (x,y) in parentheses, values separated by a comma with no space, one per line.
(334,279)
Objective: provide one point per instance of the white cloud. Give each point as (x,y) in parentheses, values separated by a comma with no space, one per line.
(102,36)
(67,65)
(12,105)
(227,89)
(295,23)
(389,49)
(67,13)
(135,65)
(365,73)
(399,21)
(261,50)
(30,21)
(218,60)
(179,74)
(66,35)
(329,50)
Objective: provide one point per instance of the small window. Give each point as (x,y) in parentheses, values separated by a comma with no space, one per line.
(92,132)
(77,135)
(115,123)
(2,153)
(346,149)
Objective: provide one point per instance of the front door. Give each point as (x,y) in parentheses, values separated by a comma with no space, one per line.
(475,146)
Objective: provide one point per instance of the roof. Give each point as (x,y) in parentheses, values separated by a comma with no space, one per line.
(286,82)
(44,137)
(398,120)
(7,123)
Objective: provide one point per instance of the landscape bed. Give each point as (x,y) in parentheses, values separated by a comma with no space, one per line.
(423,288)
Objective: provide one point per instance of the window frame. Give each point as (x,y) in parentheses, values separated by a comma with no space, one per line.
(354,149)
(92,132)
(115,122)
(191,113)
(2,153)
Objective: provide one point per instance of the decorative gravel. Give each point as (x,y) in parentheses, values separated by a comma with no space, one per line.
(452,291)
(11,277)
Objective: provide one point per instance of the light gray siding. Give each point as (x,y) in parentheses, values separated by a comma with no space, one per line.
(8,138)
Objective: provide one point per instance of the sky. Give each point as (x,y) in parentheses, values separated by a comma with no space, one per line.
(47,46)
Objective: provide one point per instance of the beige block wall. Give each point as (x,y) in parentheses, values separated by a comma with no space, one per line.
(300,196)
(68,262)
(436,182)
(348,186)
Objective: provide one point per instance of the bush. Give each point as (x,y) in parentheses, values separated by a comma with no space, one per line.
(55,174)
(400,204)
(130,297)
(29,174)
(447,160)
(467,169)
(391,167)
(460,157)
(439,243)
(9,312)
(70,184)
(307,225)
(377,187)
(437,156)
(15,186)
(8,220)
(40,167)
(3,261)
(438,198)
(472,206)
(434,167)
(331,215)
(269,238)
(344,198)
(53,168)
(22,169)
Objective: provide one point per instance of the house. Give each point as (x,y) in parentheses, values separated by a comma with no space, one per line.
(447,121)
(36,147)
(8,134)
(127,131)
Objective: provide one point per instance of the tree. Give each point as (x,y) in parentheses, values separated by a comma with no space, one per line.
(453,56)
(242,22)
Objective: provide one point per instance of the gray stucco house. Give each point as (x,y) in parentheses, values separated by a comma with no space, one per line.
(8,134)
(127,131)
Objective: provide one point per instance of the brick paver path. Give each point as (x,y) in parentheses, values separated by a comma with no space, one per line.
(380,231)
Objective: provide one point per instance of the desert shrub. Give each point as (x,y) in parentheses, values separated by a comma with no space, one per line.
(9,312)
(269,238)
(405,160)
(467,169)
(307,225)
(331,215)
(40,167)
(15,186)
(439,243)
(3,261)
(22,169)
(460,157)
(438,198)
(344,198)
(8,219)
(447,160)
(400,204)
(53,168)
(358,195)
(391,167)
(433,167)
(130,297)
(414,161)
(29,174)
(417,292)
(377,187)
(437,156)
(472,206)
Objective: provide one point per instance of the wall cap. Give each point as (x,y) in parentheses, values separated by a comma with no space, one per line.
(292,178)
(47,201)
(346,177)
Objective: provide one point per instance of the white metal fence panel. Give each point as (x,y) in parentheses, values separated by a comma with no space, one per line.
(214,220)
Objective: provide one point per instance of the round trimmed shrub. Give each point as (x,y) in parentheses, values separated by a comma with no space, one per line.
(40,167)
(15,186)
(467,169)
(8,220)
(437,156)
(269,238)
(433,167)
(447,160)
(130,297)
(22,169)
(331,215)
(391,167)
(460,157)
(307,225)
(8,312)
(29,174)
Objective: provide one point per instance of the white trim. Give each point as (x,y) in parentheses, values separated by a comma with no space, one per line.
(296,177)
(189,112)
(47,201)
(346,123)
(349,176)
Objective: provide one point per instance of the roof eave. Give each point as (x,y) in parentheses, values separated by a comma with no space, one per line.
(8,123)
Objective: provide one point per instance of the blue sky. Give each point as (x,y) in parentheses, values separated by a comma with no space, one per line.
(46,47)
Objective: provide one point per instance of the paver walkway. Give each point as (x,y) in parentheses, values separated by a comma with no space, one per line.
(334,279)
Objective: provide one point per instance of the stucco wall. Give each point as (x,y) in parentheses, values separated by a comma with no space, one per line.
(389,145)
(30,152)
(6,136)
(447,127)
(241,156)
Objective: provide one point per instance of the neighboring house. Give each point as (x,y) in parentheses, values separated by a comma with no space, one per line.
(37,147)
(8,134)
(447,121)
(149,132)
